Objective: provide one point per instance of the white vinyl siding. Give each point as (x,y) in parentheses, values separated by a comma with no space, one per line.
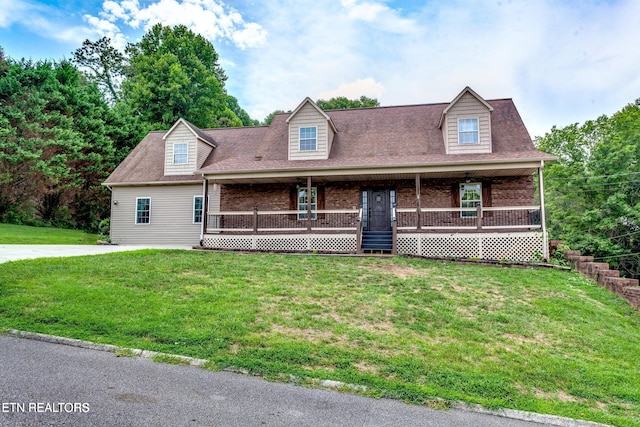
(204,150)
(309,117)
(467,107)
(171,220)
(180,136)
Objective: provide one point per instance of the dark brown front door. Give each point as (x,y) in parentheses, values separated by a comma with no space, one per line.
(379,210)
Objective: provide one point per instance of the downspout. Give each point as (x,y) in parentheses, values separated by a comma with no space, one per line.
(543,222)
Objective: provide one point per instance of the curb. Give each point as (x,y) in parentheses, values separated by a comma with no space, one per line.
(325,384)
(146,354)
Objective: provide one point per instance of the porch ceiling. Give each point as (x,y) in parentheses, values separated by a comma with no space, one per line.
(328,175)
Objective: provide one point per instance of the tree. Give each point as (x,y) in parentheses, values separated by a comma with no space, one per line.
(54,151)
(267,120)
(174,73)
(593,190)
(105,64)
(342,102)
(234,106)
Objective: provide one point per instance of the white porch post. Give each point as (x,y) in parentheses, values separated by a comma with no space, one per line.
(205,210)
(309,204)
(418,203)
(543,222)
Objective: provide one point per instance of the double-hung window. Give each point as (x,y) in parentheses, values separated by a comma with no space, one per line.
(197,209)
(303,202)
(143,210)
(308,139)
(180,154)
(470,197)
(468,131)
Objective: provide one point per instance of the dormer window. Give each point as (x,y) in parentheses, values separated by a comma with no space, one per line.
(308,139)
(180,154)
(468,131)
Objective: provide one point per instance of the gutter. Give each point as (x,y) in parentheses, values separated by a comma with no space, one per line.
(460,166)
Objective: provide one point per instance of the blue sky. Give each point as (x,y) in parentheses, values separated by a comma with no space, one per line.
(561,61)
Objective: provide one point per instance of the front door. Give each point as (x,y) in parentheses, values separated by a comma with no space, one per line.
(379,215)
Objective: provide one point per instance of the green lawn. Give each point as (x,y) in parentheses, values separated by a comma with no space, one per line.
(24,235)
(537,340)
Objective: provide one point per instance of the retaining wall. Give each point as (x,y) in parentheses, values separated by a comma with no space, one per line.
(628,289)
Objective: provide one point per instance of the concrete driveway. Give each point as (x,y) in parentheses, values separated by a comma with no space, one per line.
(17,252)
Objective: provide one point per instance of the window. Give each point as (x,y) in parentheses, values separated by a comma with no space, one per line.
(180,156)
(308,140)
(143,210)
(470,197)
(303,200)
(197,209)
(468,131)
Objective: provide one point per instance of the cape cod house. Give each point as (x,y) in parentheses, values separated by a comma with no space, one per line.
(450,179)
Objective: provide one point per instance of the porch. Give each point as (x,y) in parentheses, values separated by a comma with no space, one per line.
(511,232)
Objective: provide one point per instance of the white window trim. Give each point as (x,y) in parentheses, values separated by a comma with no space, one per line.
(174,153)
(193,213)
(300,138)
(302,215)
(468,214)
(135,219)
(477,119)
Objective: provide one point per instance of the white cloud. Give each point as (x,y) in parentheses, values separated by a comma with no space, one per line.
(208,18)
(561,62)
(354,90)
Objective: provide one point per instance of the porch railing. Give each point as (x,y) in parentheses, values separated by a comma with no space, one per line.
(349,220)
(290,220)
(513,217)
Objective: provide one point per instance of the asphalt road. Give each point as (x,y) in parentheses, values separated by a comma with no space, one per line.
(45,384)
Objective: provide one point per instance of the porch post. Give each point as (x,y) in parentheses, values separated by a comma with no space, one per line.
(418,205)
(309,204)
(543,222)
(205,209)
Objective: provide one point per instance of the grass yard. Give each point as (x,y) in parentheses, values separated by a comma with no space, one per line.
(25,235)
(537,340)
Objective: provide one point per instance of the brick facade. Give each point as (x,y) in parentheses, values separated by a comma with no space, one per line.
(505,191)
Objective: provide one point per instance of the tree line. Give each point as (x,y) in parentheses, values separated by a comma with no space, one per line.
(65,125)
(593,191)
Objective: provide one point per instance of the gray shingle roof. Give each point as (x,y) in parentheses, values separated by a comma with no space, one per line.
(368,137)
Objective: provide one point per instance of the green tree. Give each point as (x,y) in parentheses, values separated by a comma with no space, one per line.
(593,190)
(267,120)
(342,102)
(174,73)
(234,106)
(54,151)
(104,65)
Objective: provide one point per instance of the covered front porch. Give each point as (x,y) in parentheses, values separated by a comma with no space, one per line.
(483,213)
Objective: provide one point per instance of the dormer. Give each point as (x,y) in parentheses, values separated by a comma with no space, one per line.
(186,148)
(311,132)
(466,124)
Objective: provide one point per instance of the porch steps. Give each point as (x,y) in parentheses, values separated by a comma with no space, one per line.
(381,241)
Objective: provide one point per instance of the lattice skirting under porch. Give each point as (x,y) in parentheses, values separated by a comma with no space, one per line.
(524,247)
(339,243)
